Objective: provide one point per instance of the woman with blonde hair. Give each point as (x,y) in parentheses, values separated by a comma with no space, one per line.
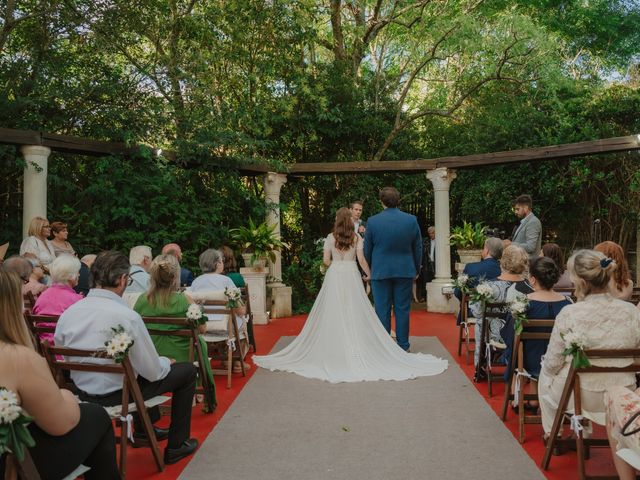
(84,432)
(514,265)
(603,322)
(343,340)
(164,300)
(37,245)
(621,285)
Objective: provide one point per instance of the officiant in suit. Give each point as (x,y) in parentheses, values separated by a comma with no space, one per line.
(393,249)
(356,213)
(528,234)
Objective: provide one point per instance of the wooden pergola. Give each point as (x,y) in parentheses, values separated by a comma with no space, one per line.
(36,147)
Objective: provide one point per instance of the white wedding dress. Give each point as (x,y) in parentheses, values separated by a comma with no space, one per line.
(343,339)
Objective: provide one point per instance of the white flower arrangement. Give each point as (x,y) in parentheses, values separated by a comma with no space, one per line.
(234,297)
(483,293)
(518,309)
(462,282)
(575,344)
(119,344)
(14,435)
(195,313)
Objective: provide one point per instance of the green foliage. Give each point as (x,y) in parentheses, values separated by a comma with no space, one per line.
(260,240)
(468,236)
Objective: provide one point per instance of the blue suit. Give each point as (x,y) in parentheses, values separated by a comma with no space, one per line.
(486,269)
(393,249)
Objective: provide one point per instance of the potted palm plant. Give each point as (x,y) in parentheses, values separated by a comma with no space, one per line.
(469,241)
(257,243)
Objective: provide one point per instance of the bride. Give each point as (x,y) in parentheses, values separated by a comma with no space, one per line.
(342,339)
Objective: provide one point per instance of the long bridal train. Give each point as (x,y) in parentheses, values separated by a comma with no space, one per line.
(343,340)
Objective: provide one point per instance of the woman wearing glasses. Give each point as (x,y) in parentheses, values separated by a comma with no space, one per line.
(37,245)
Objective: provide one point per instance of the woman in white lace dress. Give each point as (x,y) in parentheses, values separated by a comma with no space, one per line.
(343,339)
(604,322)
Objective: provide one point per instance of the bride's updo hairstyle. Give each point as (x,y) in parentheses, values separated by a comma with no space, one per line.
(590,270)
(344,230)
(165,279)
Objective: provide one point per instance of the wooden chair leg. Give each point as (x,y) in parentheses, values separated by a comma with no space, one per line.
(461,338)
(508,396)
(229,364)
(557,421)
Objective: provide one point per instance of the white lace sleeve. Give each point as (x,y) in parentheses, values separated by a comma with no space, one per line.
(328,243)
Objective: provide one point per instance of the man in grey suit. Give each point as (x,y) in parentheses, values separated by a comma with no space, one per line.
(528,235)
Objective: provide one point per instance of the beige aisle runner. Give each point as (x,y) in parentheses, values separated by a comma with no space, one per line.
(283,427)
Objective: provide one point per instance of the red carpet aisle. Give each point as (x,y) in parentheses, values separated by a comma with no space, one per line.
(140,464)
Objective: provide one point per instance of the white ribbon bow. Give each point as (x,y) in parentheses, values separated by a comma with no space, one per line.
(466,329)
(576,426)
(516,393)
(129,421)
(488,355)
(231,343)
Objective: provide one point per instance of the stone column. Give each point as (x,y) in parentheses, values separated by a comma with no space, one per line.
(272,184)
(35,184)
(256,280)
(437,301)
(280,293)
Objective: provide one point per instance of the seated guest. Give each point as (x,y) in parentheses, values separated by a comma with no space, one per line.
(621,284)
(164,300)
(212,279)
(554,252)
(231,267)
(76,433)
(85,325)
(186,276)
(604,322)
(487,269)
(505,287)
(621,404)
(60,295)
(83,281)
(37,245)
(59,242)
(35,284)
(544,304)
(140,258)
(23,267)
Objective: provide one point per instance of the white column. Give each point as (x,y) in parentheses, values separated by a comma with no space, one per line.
(35,184)
(436,301)
(272,184)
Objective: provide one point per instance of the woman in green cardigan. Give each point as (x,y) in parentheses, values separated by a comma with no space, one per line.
(164,300)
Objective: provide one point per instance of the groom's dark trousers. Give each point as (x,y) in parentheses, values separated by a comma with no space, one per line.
(394,292)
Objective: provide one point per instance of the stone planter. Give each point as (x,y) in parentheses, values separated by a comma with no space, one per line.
(470,256)
(257,263)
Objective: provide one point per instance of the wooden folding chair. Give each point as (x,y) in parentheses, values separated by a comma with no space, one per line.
(635,295)
(246,298)
(121,413)
(486,354)
(28,300)
(224,344)
(572,386)
(185,328)
(37,326)
(26,470)
(467,324)
(518,372)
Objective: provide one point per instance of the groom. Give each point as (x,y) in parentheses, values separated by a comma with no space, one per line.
(393,248)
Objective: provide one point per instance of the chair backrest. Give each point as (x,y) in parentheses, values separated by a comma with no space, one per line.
(567,292)
(464,307)
(495,310)
(635,295)
(28,300)
(39,324)
(219,307)
(184,327)
(244,294)
(527,334)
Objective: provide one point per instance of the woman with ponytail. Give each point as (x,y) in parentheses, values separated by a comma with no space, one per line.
(600,321)
(164,300)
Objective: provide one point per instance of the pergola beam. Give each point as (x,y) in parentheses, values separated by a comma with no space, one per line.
(579,149)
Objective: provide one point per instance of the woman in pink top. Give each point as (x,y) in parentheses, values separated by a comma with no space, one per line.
(65,271)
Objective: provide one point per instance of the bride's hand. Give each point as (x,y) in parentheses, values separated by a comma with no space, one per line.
(366,278)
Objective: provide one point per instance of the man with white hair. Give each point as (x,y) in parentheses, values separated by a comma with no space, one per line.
(140,258)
